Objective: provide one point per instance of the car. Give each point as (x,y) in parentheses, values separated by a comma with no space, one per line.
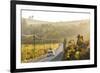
(50,53)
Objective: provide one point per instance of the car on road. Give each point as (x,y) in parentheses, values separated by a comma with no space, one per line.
(50,53)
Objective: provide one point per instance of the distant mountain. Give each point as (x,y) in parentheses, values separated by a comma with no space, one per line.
(54,30)
(32,22)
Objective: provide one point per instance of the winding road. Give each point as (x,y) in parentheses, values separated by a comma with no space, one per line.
(57,57)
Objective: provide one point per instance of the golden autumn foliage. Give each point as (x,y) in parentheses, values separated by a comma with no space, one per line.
(79,50)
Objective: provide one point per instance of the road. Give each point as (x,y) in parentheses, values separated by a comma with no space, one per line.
(57,57)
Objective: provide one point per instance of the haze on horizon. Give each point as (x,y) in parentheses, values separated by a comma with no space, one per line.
(55,16)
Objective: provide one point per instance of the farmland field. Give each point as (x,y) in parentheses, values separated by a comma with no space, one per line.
(43,41)
(32,52)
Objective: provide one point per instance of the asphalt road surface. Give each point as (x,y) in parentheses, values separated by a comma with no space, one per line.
(57,57)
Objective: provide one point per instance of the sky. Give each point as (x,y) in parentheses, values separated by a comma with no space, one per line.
(52,16)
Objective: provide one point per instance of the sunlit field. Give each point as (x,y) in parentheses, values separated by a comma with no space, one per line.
(44,41)
(33,52)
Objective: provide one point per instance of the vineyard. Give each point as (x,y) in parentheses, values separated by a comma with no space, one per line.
(32,52)
(38,38)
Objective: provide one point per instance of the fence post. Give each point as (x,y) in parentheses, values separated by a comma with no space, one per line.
(34,45)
